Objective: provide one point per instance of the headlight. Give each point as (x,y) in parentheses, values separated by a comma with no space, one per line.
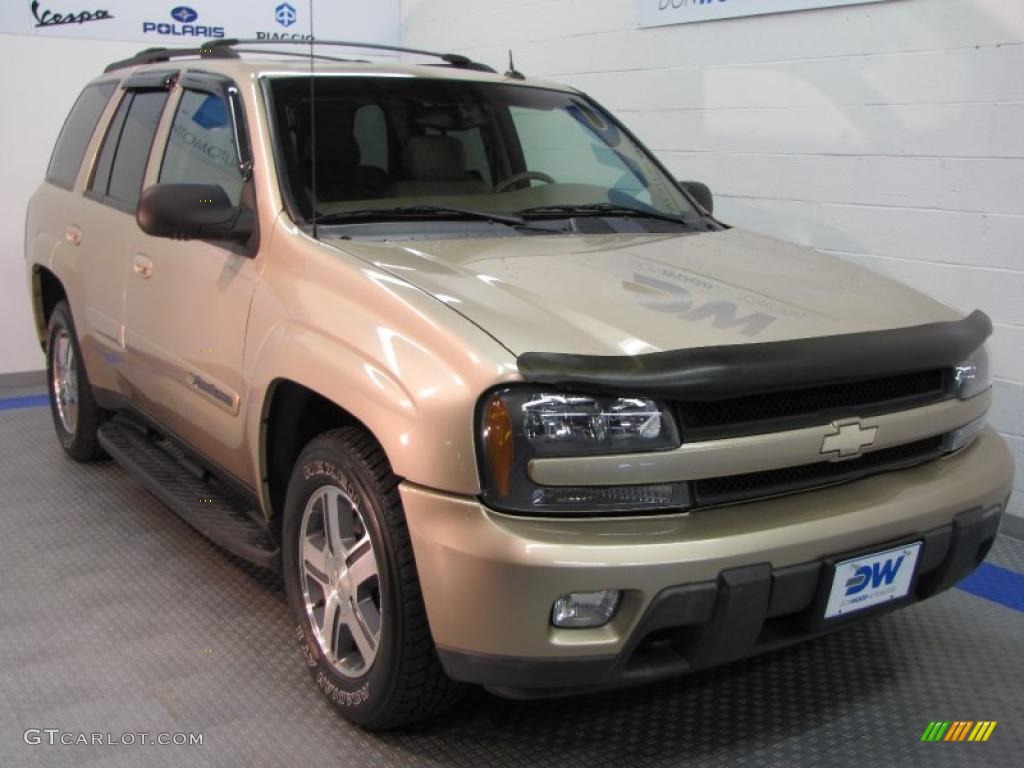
(519,424)
(972,376)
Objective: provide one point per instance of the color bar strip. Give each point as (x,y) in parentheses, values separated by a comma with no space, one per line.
(17,403)
(1000,585)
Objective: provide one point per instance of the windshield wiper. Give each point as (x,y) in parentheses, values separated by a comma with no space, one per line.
(414,210)
(606,209)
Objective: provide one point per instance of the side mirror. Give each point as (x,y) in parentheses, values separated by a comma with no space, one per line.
(192,211)
(701,193)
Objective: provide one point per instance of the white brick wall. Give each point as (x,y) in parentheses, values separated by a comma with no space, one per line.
(891,134)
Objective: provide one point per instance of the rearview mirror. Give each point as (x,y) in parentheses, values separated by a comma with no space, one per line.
(701,193)
(192,211)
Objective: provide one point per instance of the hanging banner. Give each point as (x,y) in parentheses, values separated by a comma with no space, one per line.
(659,13)
(171,24)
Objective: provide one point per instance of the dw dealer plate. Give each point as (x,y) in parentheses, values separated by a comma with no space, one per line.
(871,580)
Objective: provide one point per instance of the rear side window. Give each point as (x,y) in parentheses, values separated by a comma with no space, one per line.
(76,133)
(122,161)
(201,148)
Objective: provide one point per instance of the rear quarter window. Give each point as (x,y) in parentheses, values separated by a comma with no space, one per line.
(121,166)
(75,135)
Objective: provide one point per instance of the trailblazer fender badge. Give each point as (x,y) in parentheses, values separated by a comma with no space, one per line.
(849,440)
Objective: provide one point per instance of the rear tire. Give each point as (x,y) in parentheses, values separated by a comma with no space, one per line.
(353,589)
(76,416)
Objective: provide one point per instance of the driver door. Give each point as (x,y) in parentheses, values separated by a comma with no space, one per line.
(187,301)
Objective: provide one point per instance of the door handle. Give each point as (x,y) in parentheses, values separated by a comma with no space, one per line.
(142,266)
(73,235)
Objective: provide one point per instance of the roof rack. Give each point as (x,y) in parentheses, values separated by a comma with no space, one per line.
(226,49)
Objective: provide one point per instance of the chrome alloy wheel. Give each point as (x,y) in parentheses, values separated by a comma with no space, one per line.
(65,380)
(340,581)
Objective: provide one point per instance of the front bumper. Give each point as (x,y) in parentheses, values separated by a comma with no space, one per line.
(698,589)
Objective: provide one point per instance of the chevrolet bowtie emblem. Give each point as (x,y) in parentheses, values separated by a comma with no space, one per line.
(848,440)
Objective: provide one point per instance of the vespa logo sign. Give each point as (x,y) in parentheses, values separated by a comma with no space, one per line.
(48,18)
(655,13)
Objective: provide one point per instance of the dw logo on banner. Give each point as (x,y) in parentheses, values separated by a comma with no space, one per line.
(658,13)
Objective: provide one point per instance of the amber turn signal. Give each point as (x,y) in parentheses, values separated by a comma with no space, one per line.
(499,449)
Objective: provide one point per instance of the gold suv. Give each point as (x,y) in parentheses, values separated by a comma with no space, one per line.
(500,397)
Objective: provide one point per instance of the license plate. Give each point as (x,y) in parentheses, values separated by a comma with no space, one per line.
(863,582)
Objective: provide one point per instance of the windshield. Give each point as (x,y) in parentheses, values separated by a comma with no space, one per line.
(409,146)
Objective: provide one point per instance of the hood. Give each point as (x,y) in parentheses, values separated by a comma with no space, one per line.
(624,294)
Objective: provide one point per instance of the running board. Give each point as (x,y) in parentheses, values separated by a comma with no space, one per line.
(223,516)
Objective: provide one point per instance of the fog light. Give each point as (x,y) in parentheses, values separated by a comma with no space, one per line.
(964,436)
(585,609)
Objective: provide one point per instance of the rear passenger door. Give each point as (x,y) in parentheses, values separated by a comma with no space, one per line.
(188,300)
(53,237)
(99,224)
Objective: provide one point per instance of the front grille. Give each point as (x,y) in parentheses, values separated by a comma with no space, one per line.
(776,482)
(792,409)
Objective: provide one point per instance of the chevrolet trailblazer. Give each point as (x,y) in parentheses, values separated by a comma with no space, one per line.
(500,397)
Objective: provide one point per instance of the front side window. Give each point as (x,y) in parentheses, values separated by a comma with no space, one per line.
(121,165)
(375,144)
(77,132)
(201,148)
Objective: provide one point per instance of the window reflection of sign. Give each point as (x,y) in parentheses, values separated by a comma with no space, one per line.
(206,136)
(594,123)
(212,113)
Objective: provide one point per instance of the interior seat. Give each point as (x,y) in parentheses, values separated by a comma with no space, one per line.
(340,174)
(436,165)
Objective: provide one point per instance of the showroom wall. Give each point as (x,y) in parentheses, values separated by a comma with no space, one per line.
(891,134)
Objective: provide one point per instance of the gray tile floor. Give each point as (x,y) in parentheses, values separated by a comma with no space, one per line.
(116,617)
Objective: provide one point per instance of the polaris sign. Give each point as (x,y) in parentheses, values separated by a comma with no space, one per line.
(188,22)
(658,13)
(183,25)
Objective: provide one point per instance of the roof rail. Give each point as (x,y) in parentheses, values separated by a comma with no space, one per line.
(225,49)
(150,55)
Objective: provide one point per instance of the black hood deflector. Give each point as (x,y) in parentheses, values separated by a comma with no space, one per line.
(718,373)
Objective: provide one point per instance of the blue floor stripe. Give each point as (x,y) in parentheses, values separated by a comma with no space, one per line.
(32,401)
(1000,585)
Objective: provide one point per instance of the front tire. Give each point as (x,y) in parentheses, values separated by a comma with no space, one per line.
(76,416)
(352,586)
